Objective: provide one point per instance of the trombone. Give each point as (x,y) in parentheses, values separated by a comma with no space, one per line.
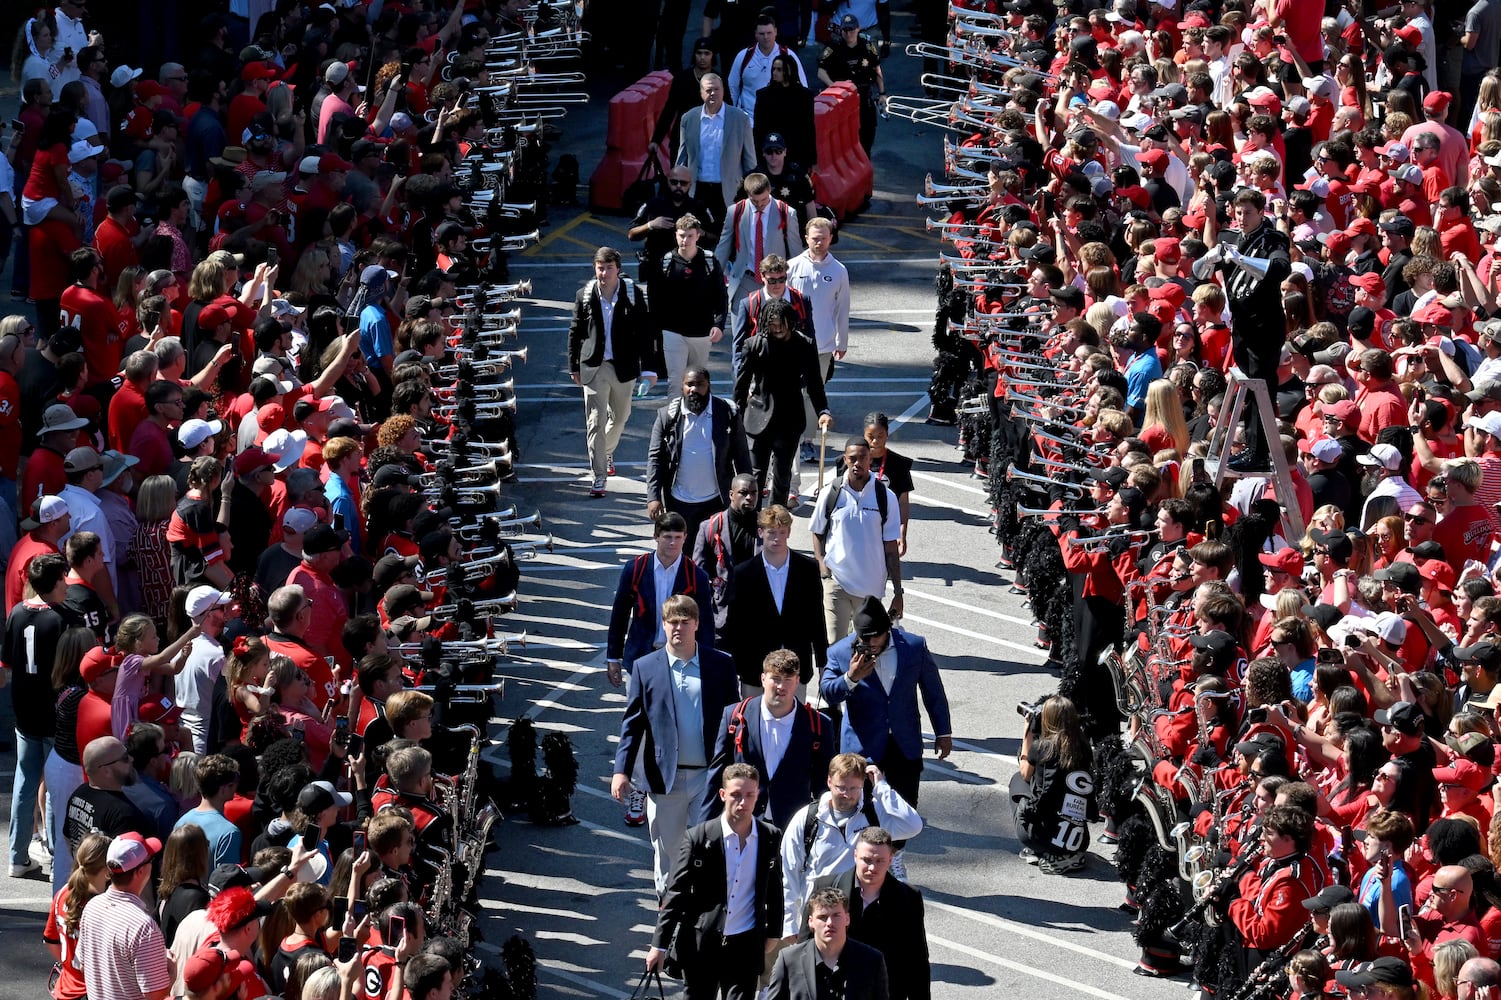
(1047,512)
(1013,474)
(1135,536)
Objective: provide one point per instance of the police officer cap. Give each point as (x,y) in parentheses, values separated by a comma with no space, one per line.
(849,21)
(772,141)
(872,619)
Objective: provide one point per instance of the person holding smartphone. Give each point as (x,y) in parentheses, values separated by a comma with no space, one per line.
(1388,834)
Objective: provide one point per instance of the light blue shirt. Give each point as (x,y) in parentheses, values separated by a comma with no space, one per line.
(688,708)
(376,341)
(710,145)
(1303,680)
(1370,894)
(1140,373)
(225,844)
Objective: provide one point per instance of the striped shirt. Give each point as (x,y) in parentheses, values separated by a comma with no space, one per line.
(121,948)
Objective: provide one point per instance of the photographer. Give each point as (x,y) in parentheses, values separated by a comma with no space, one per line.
(1052,794)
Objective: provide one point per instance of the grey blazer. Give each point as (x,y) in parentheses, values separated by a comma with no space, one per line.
(794,976)
(737,157)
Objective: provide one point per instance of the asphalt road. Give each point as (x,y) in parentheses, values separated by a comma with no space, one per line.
(582,894)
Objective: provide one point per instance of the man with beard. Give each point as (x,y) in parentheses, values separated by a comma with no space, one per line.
(697,444)
(101,804)
(1253,271)
(656,221)
(779,365)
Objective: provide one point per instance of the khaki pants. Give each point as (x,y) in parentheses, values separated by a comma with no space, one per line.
(607,406)
(682,353)
(839,609)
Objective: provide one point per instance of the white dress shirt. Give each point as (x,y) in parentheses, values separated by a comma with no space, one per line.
(775,735)
(663,577)
(695,481)
(607,315)
(886,667)
(739,879)
(776,578)
(710,145)
(855,551)
(751,71)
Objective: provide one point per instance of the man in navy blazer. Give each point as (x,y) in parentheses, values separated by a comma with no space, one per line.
(877,674)
(788,742)
(672,710)
(636,618)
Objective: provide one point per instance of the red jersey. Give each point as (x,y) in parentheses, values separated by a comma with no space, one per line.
(93,316)
(27,549)
(127,409)
(112,240)
(44,476)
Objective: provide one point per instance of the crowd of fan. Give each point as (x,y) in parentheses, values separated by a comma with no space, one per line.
(241,272)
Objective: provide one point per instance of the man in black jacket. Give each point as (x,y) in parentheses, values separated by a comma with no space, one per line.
(611,343)
(697,445)
(727,539)
(779,365)
(885,914)
(721,913)
(763,618)
(689,301)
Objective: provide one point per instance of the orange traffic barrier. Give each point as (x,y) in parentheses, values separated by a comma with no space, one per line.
(633,114)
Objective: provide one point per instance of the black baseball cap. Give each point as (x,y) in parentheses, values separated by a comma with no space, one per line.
(772,141)
(1220,645)
(1068,295)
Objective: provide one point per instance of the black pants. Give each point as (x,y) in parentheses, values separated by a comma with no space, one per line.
(903,774)
(1098,625)
(670,31)
(1257,360)
(694,513)
(731,970)
(772,452)
(712,196)
(869,115)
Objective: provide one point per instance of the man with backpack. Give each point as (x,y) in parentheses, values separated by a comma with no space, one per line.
(790,743)
(697,445)
(755,226)
(820,837)
(856,526)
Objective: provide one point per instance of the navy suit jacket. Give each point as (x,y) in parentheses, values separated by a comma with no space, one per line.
(800,777)
(649,731)
(873,718)
(633,633)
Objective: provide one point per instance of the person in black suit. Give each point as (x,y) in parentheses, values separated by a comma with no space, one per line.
(697,445)
(780,364)
(788,742)
(721,914)
(608,349)
(831,963)
(763,618)
(886,914)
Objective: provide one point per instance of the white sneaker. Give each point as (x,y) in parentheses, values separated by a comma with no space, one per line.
(24,871)
(899,866)
(635,808)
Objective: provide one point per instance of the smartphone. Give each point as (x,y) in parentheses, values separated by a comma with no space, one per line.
(299,734)
(338,522)
(272,256)
(341,724)
(359,842)
(348,948)
(341,910)
(1404,920)
(396,931)
(18,125)
(356,745)
(360,909)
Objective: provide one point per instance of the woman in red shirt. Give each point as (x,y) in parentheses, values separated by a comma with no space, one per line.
(47,195)
(90,878)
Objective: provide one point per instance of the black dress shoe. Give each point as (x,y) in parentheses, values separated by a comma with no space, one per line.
(1247,462)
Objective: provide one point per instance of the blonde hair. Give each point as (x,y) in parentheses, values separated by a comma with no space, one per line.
(1165,410)
(207,282)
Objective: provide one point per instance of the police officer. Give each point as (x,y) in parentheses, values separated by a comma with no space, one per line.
(854,57)
(789,180)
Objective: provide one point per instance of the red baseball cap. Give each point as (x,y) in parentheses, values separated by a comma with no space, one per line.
(1289,561)
(1439,572)
(1410,36)
(329,162)
(1437,100)
(1362,226)
(1464,772)
(1434,312)
(1154,158)
(1344,409)
(211,316)
(97,662)
(258,71)
(1171,292)
(1168,250)
(161,710)
(1370,281)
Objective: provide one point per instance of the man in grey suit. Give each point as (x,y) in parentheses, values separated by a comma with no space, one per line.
(830,964)
(716,142)
(757,227)
(673,706)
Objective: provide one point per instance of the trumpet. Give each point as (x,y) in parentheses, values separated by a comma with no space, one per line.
(496,521)
(488,606)
(472,370)
(1013,474)
(947,228)
(1027,380)
(954,190)
(507,242)
(923,111)
(1056,463)
(1097,450)
(520,289)
(488,409)
(500,451)
(486,470)
(483,391)
(438,575)
(1136,537)
(943,201)
(499,687)
(496,644)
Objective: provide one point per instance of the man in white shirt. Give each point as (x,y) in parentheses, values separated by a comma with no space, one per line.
(855,541)
(825,284)
(1384,478)
(828,848)
(85,471)
(751,68)
(195,685)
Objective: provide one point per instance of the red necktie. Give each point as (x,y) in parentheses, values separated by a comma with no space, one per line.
(760,246)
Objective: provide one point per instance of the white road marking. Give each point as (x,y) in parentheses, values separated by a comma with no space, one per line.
(939,480)
(928,501)
(968,634)
(1026,970)
(967,607)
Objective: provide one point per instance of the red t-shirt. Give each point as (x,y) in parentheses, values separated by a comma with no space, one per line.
(50,244)
(93,720)
(112,240)
(44,477)
(241,110)
(27,549)
(94,317)
(42,182)
(127,409)
(1465,533)
(150,444)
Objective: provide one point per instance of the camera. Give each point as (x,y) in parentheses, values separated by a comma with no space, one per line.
(1029,710)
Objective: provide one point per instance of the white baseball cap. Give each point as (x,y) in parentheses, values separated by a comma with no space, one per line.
(194,432)
(203,599)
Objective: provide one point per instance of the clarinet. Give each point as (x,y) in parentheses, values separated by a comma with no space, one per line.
(1265,974)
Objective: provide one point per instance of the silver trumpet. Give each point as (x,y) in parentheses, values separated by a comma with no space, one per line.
(1058,463)
(1097,450)
(943,201)
(495,448)
(487,470)
(959,85)
(478,369)
(456,523)
(499,687)
(488,606)
(954,190)
(1046,512)
(949,228)
(508,242)
(1037,383)
(1136,537)
(503,293)
(500,644)
(485,391)
(1013,474)
(487,408)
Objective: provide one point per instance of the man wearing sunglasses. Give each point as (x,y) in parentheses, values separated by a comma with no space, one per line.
(101,804)
(655,224)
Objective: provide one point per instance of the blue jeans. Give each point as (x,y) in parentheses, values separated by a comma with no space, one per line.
(31,754)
